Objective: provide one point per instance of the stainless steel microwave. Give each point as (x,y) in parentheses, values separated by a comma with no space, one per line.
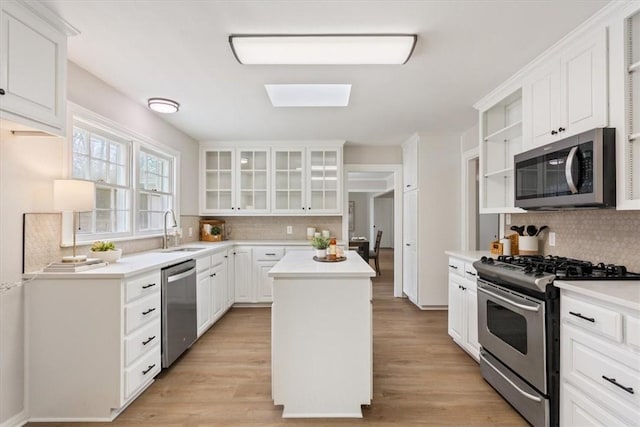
(575,172)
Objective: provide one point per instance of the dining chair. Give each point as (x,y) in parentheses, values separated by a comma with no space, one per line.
(375,253)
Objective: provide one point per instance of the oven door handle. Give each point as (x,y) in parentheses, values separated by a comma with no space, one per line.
(504,377)
(508,301)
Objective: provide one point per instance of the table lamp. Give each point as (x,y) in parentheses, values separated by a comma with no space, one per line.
(76,196)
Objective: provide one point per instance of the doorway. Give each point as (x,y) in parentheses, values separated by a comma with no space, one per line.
(373,195)
(478,230)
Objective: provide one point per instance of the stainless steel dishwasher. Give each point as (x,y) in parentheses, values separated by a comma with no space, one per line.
(179,322)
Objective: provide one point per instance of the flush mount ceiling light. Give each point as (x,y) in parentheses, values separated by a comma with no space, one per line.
(163,105)
(309,95)
(323,49)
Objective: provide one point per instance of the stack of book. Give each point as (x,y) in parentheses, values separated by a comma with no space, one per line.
(72,267)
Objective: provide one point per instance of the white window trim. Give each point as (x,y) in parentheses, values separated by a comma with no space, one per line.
(138,140)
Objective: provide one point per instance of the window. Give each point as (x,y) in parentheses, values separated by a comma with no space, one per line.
(155,189)
(126,204)
(104,158)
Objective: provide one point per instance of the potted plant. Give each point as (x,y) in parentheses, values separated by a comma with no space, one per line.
(106,251)
(321,244)
(216,232)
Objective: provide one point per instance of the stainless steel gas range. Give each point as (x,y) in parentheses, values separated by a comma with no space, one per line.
(519,327)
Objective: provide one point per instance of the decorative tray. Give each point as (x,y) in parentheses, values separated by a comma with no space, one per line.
(315,258)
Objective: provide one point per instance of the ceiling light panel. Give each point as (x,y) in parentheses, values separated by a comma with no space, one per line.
(323,49)
(309,95)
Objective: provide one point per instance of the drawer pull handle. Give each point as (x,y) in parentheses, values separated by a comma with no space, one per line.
(453,266)
(271,254)
(148,286)
(146,371)
(590,319)
(472,274)
(148,340)
(144,313)
(614,382)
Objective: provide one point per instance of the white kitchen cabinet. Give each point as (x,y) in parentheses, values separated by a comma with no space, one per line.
(231,277)
(212,289)
(33,75)
(264,283)
(234,180)
(627,62)
(410,164)
(243,275)
(94,345)
(599,356)
(501,130)
(567,94)
(463,306)
(276,179)
(410,250)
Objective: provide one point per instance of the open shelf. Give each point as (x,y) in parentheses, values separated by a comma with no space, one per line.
(501,172)
(505,134)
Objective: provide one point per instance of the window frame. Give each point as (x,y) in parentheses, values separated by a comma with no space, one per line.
(137,142)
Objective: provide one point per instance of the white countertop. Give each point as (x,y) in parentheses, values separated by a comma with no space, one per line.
(301,264)
(139,263)
(625,293)
(468,255)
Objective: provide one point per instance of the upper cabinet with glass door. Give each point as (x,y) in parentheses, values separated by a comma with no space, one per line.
(217,181)
(323,194)
(288,181)
(253,187)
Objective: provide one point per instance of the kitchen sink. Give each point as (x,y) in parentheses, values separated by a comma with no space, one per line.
(187,249)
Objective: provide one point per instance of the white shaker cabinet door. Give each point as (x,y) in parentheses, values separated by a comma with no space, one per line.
(33,72)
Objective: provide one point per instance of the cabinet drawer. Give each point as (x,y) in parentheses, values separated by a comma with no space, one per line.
(142,371)
(470,272)
(203,264)
(456,266)
(141,341)
(606,372)
(592,317)
(140,312)
(218,258)
(577,410)
(142,285)
(632,331)
(265,254)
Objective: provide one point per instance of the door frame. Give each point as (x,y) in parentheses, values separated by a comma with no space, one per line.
(396,169)
(468,195)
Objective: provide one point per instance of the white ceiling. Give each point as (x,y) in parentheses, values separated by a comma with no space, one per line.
(179,49)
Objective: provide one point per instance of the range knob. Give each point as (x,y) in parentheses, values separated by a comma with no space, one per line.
(490,260)
(528,269)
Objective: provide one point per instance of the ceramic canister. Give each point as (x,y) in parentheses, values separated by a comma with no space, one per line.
(528,245)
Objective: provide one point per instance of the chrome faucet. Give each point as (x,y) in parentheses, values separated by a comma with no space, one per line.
(165,237)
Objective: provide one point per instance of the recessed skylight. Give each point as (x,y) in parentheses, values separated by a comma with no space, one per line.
(309,95)
(323,49)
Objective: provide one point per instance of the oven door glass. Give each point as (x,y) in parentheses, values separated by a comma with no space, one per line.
(509,326)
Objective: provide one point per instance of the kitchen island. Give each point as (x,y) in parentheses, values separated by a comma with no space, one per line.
(321,336)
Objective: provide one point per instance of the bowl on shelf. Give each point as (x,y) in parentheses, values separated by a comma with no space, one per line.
(110,256)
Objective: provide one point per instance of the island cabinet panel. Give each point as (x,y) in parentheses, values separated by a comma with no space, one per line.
(321,336)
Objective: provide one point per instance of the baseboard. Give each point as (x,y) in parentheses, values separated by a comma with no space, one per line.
(17,420)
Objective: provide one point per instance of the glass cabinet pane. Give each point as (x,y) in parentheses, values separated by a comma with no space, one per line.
(253,180)
(288,181)
(218,180)
(324,180)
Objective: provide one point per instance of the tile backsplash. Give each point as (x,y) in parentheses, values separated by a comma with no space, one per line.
(42,233)
(601,235)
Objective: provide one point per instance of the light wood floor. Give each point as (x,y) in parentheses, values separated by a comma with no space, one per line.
(420,376)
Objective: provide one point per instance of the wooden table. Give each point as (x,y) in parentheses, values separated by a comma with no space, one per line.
(362,247)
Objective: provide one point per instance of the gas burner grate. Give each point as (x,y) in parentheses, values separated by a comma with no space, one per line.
(568,268)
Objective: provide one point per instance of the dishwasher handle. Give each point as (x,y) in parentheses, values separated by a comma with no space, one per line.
(181,275)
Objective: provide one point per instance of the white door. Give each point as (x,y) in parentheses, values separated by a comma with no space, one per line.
(203,298)
(541,100)
(383,220)
(456,310)
(263,281)
(243,275)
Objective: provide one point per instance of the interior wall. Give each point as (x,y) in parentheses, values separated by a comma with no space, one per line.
(372,154)
(470,138)
(361,224)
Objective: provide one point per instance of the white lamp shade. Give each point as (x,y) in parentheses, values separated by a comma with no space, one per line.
(74,195)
